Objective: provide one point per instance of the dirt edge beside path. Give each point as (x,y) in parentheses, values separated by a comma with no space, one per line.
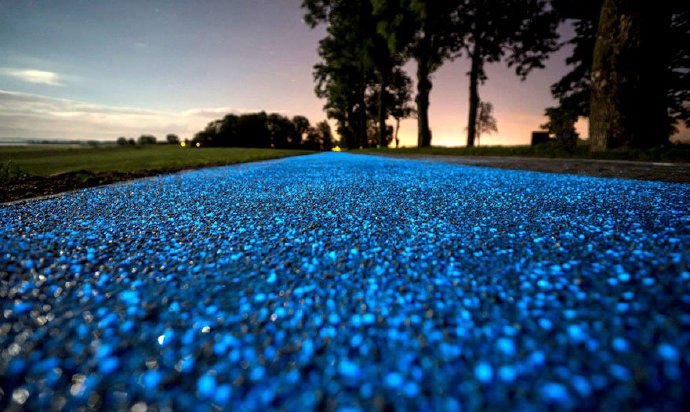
(36,186)
(622,169)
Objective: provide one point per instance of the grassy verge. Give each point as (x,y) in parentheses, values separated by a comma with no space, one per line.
(46,161)
(31,171)
(678,153)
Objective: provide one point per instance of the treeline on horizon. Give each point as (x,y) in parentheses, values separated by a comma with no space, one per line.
(632,80)
(267,131)
(259,130)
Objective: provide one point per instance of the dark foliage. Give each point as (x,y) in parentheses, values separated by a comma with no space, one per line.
(265,130)
(145,139)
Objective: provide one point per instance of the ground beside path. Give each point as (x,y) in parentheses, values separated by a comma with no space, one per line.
(42,170)
(337,281)
(623,169)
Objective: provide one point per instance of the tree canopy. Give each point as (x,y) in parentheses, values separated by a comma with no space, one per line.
(265,130)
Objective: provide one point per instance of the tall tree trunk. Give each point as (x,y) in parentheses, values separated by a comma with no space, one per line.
(422,99)
(397,128)
(474,95)
(382,114)
(351,130)
(362,126)
(628,93)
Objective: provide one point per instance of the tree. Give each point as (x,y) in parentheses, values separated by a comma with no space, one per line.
(121,141)
(172,139)
(301,129)
(422,30)
(573,90)
(671,45)
(325,134)
(357,68)
(146,139)
(252,130)
(344,73)
(400,107)
(281,130)
(257,130)
(522,31)
(562,124)
(639,77)
(486,123)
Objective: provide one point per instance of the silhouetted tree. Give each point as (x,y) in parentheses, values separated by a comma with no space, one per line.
(172,139)
(422,30)
(226,133)
(281,130)
(257,130)
(357,68)
(146,139)
(400,107)
(253,131)
(325,135)
(573,90)
(656,98)
(121,141)
(339,81)
(301,128)
(521,31)
(486,123)
(346,70)
(562,124)
(131,141)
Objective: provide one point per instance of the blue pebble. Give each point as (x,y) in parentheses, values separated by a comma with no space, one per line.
(668,352)
(545,323)
(206,385)
(348,368)
(484,372)
(257,373)
(22,307)
(393,379)
(368,318)
(222,394)
(410,389)
(576,333)
(619,372)
(582,386)
(108,365)
(619,344)
(555,392)
(506,346)
(151,379)
(507,373)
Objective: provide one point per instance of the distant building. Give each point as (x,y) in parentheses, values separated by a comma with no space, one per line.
(540,137)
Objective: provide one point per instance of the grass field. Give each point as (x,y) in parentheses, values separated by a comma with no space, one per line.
(46,160)
(679,153)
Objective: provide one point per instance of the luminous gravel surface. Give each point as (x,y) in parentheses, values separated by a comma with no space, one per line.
(349,282)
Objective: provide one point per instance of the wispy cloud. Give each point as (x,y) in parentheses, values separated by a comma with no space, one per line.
(37,116)
(33,76)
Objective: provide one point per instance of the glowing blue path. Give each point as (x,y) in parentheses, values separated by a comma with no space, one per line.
(349,282)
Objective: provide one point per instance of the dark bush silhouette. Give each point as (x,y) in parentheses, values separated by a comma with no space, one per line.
(264,130)
(145,139)
(172,139)
(122,141)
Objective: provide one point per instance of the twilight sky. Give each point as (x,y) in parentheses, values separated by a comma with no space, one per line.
(103,69)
